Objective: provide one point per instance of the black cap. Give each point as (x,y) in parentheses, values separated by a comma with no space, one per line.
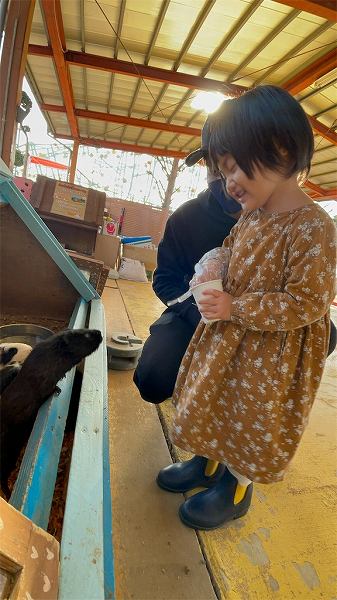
(201,152)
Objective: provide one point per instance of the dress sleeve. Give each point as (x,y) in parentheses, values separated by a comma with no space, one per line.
(309,289)
(229,240)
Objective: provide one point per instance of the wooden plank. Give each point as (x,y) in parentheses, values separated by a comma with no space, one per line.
(29,558)
(10,193)
(34,488)
(92,265)
(147,565)
(102,280)
(156,557)
(115,312)
(111,283)
(82,560)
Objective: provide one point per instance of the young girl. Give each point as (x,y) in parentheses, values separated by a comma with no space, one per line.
(247,382)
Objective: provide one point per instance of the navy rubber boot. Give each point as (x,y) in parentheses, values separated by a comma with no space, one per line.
(187,475)
(212,508)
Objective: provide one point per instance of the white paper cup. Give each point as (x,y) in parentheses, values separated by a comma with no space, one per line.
(197,291)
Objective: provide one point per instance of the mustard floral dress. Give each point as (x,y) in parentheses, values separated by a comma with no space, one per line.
(246,386)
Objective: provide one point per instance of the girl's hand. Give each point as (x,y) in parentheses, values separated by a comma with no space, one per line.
(215,305)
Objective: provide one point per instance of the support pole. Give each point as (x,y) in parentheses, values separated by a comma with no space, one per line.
(73,161)
(12,68)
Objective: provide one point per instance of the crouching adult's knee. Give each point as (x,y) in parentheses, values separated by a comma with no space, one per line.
(151,385)
(159,362)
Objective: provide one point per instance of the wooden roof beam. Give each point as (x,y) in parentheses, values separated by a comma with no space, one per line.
(92,61)
(192,81)
(124,67)
(321,66)
(125,120)
(326,197)
(124,147)
(320,8)
(53,20)
(323,130)
(314,187)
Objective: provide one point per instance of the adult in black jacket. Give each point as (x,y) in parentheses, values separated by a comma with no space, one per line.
(194,228)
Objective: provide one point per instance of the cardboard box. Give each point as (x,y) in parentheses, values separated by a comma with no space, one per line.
(73,213)
(148,256)
(108,249)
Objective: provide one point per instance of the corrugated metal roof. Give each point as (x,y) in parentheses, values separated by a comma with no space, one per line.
(241,42)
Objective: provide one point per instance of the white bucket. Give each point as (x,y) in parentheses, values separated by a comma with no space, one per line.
(197,291)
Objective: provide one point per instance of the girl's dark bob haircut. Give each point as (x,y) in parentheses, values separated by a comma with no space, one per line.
(265,127)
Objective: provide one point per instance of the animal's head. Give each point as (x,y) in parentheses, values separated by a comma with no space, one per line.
(79,343)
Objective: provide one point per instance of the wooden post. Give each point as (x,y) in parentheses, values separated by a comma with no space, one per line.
(73,161)
(12,67)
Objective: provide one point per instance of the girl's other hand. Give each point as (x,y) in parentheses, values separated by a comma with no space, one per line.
(215,305)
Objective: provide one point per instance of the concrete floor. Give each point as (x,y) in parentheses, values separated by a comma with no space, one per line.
(284,548)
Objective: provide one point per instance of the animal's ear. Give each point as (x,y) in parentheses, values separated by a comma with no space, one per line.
(7,354)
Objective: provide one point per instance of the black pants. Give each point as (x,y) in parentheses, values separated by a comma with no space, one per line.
(158,366)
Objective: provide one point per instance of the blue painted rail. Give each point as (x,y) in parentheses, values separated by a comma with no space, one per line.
(34,487)
(86,569)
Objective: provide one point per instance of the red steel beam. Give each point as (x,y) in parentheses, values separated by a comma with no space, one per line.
(53,107)
(125,147)
(332,192)
(73,162)
(124,120)
(314,187)
(124,67)
(321,8)
(192,81)
(323,130)
(38,50)
(52,15)
(317,69)
(327,197)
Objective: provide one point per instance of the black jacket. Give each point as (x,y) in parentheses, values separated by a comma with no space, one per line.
(194,228)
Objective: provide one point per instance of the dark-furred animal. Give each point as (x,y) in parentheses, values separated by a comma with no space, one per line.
(7,374)
(34,384)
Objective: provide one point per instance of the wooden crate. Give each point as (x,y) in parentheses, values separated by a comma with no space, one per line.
(72,212)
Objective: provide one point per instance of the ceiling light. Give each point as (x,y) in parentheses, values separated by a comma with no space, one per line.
(208,101)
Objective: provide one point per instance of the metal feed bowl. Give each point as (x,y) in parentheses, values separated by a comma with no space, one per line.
(24,333)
